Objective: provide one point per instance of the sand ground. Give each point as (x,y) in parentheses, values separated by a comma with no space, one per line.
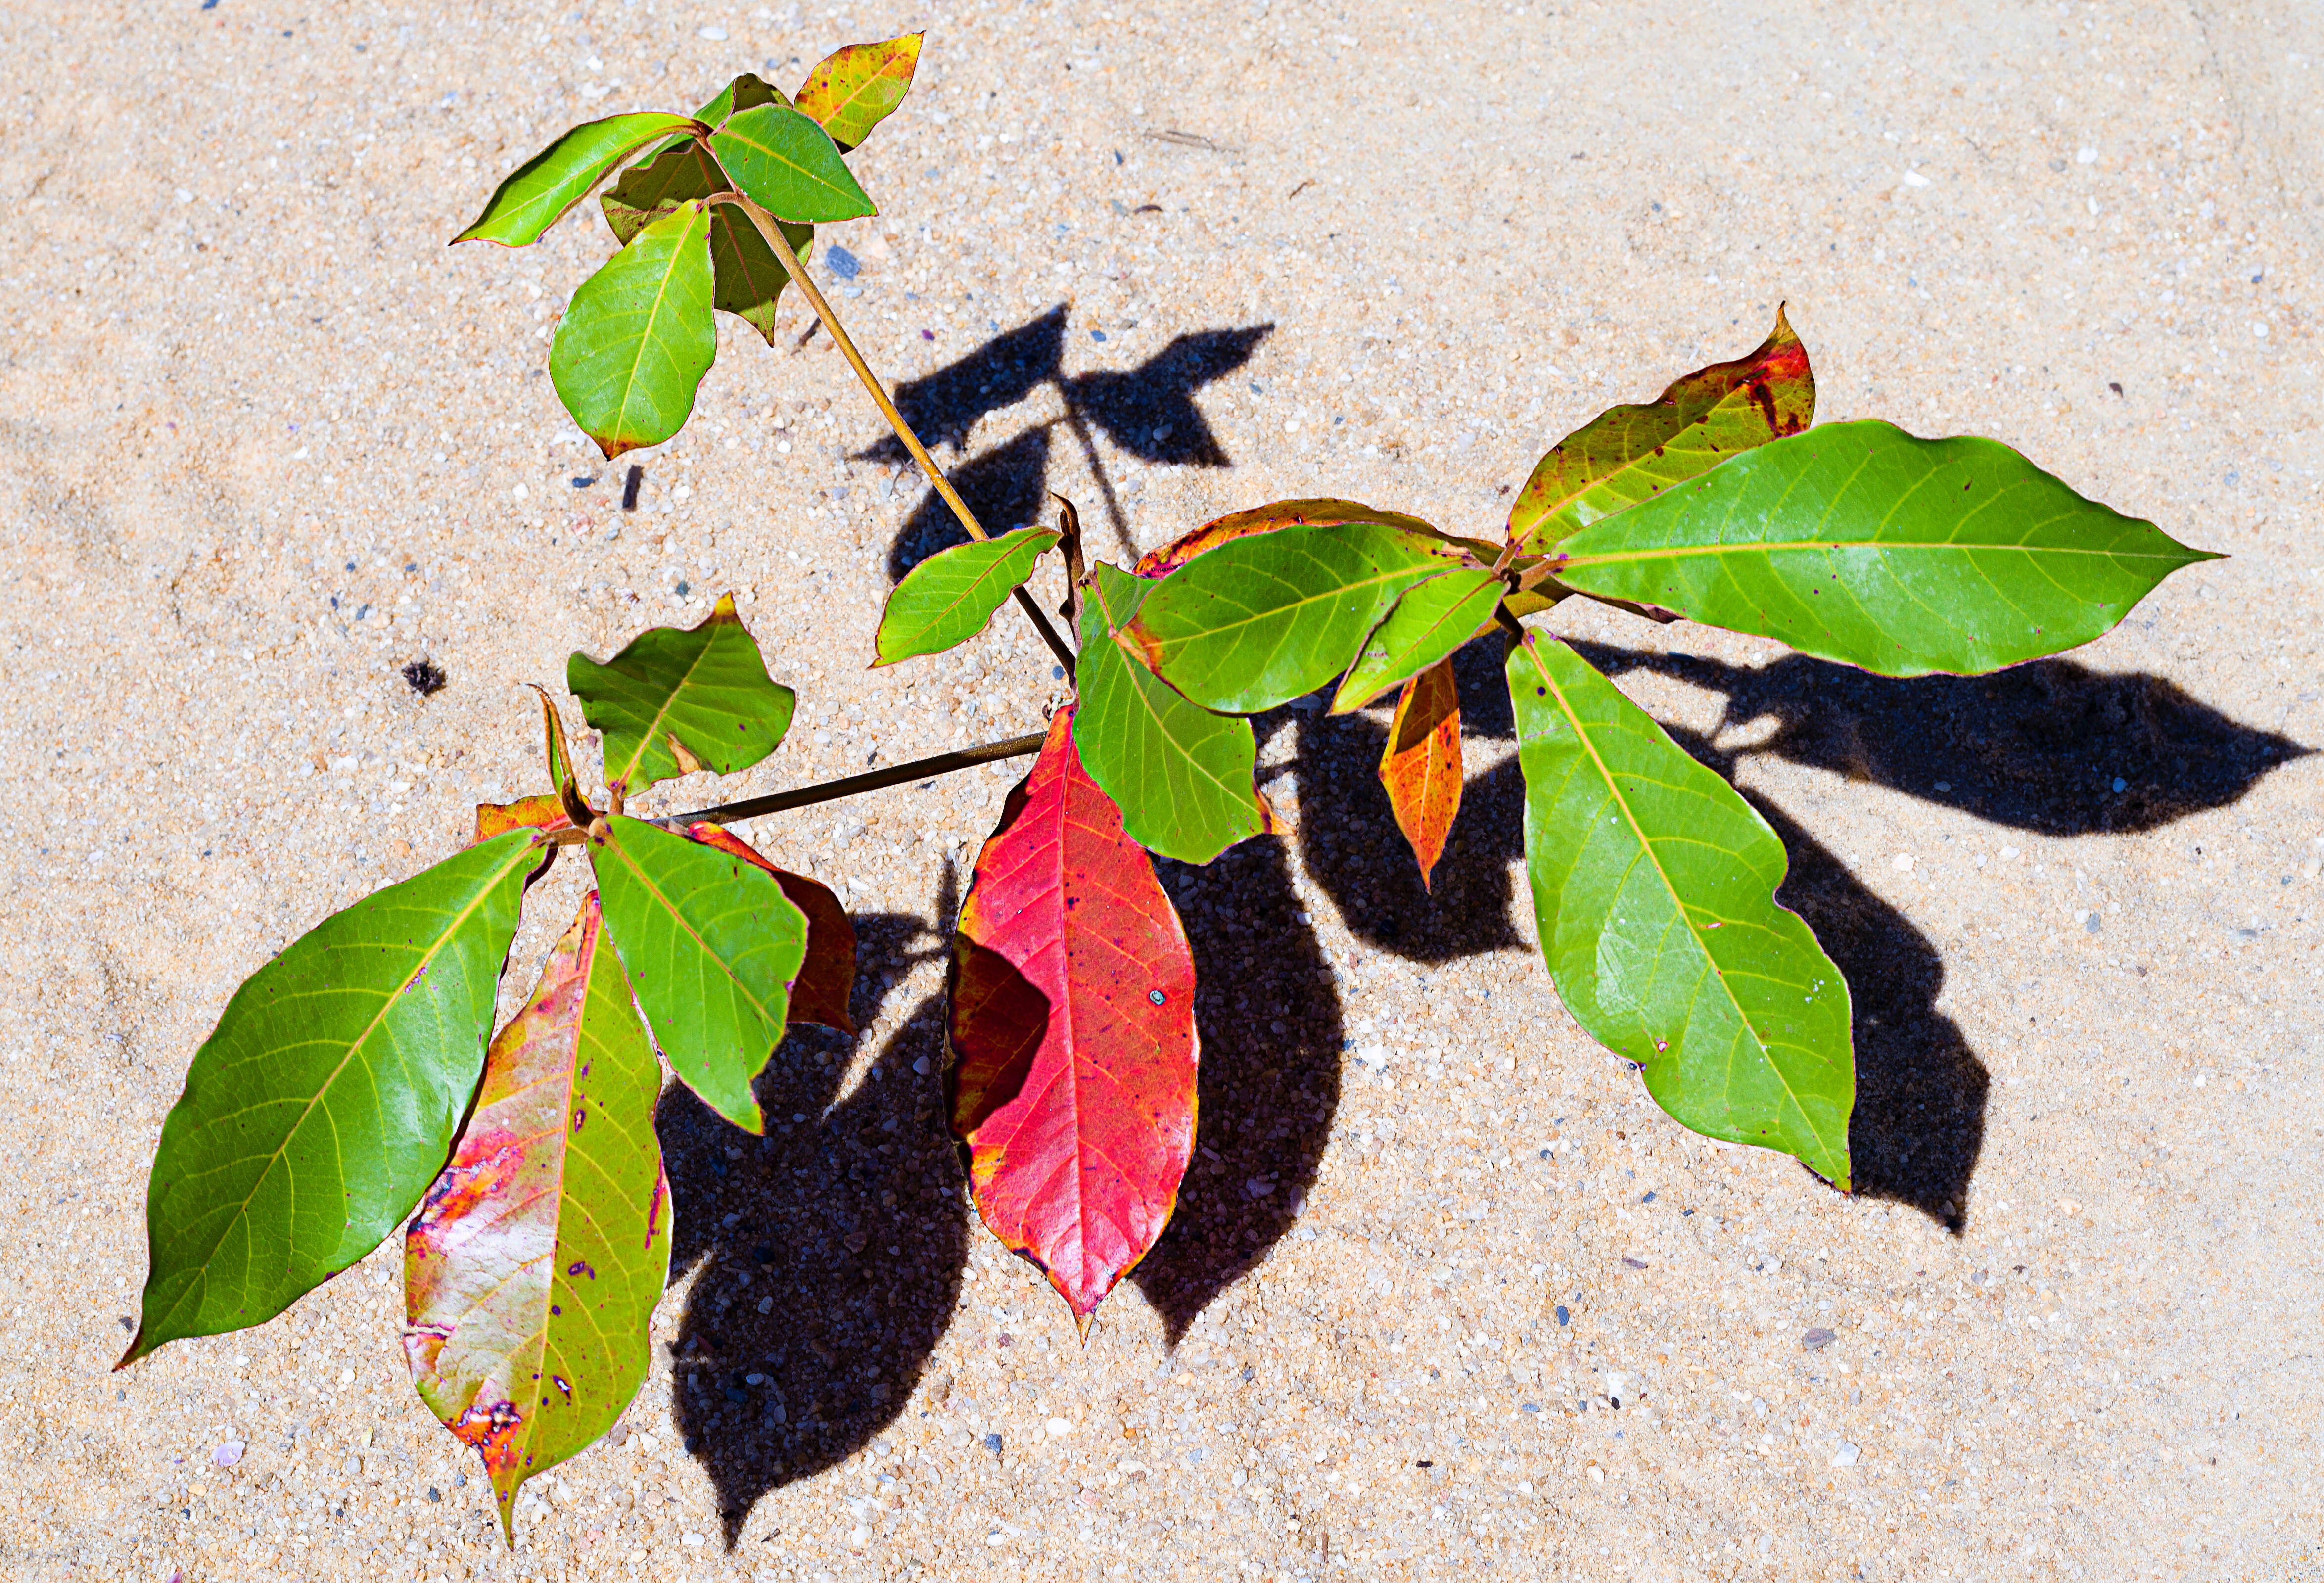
(267,441)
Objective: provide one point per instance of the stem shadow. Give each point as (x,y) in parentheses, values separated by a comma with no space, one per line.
(831,1251)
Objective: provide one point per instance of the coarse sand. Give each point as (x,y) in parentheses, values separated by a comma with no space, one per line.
(1447,1295)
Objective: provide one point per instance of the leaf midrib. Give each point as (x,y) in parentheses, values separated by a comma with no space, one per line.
(691,931)
(979,578)
(1286,612)
(647,738)
(653,313)
(1637,460)
(1624,558)
(778,156)
(387,1004)
(1614,789)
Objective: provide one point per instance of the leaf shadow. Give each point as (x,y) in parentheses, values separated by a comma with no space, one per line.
(2037,746)
(1147,411)
(1270,1020)
(1004,486)
(1350,846)
(1919,1123)
(848,1226)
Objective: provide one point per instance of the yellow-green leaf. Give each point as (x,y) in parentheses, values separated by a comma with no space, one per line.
(853,89)
(553,181)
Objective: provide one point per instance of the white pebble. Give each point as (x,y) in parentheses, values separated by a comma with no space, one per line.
(1061,1426)
(1904,862)
(1846,1456)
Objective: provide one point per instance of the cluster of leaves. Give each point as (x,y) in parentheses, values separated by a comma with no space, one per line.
(716,217)
(349,1082)
(1654,882)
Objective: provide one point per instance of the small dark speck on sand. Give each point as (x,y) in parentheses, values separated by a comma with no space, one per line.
(427,678)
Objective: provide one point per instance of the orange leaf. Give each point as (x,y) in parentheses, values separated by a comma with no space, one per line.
(1421,765)
(1072,1034)
(828,976)
(545,812)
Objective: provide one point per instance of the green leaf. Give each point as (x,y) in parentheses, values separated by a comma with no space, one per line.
(1860,543)
(788,166)
(682,173)
(1273,517)
(561,175)
(1654,887)
(533,1267)
(746,92)
(637,336)
(749,276)
(711,945)
(1181,775)
(853,89)
(1260,621)
(948,598)
(679,700)
(1427,624)
(1627,454)
(325,1101)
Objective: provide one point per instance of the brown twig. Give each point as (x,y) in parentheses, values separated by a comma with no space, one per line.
(854,784)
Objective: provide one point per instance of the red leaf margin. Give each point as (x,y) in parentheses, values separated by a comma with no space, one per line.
(1070,1034)
(826,977)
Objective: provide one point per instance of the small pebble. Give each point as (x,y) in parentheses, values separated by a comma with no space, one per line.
(1818,1339)
(1846,1456)
(843,263)
(226,1455)
(992,1443)
(1562,1317)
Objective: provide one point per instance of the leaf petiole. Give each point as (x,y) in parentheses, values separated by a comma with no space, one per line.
(789,259)
(831,790)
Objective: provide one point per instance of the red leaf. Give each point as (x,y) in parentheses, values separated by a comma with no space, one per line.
(827,977)
(545,812)
(1421,764)
(1073,1034)
(534,1265)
